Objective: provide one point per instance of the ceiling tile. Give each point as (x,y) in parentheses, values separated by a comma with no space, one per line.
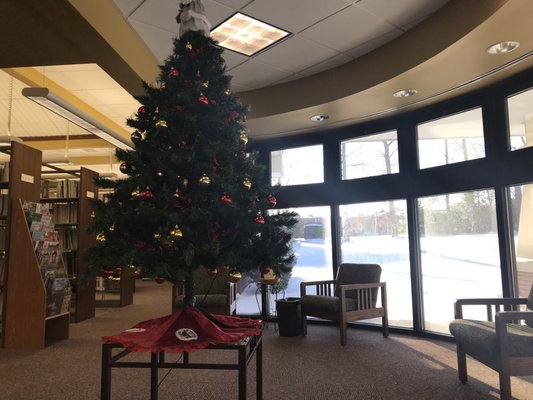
(373,44)
(158,13)
(293,15)
(255,74)
(233,59)
(160,42)
(333,62)
(295,54)
(357,27)
(235,4)
(401,12)
(126,7)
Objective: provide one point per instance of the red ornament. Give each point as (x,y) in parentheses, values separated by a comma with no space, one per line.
(125,168)
(259,219)
(203,99)
(159,279)
(173,73)
(139,244)
(271,200)
(212,272)
(146,194)
(242,154)
(118,270)
(225,198)
(142,111)
(198,75)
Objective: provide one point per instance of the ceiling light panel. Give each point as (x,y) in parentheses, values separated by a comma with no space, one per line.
(246,35)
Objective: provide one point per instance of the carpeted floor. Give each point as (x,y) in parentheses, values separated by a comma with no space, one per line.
(312,368)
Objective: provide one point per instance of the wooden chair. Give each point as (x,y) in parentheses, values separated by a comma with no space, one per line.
(214,294)
(352,296)
(505,345)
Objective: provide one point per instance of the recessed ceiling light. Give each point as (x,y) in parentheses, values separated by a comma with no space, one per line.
(319,117)
(246,35)
(503,47)
(405,93)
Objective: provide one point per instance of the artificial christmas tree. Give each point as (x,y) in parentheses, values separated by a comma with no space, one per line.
(194,195)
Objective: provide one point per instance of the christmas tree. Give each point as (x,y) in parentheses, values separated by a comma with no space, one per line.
(194,196)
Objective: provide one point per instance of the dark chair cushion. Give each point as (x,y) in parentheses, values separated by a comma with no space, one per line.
(312,304)
(481,336)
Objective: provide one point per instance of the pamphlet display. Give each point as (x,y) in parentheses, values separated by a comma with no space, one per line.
(49,257)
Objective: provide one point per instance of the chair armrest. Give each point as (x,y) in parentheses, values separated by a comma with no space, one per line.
(363,294)
(488,302)
(502,338)
(323,288)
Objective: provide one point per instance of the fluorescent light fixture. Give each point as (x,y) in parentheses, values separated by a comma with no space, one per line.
(246,35)
(9,139)
(503,47)
(61,107)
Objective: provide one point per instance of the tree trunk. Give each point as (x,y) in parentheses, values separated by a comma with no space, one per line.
(188,286)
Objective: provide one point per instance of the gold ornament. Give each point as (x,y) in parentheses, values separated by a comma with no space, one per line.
(176,194)
(112,228)
(135,193)
(188,46)
(161,123)
(234,275)
(204,180)
(100,238)
(176,233)
(157,236)
(227,91)
(93,215)
(247,183)
(205,84)
(243,137)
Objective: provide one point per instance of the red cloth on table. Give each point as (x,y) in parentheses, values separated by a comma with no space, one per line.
(159,334)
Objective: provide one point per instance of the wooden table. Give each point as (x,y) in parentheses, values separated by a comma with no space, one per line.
(246,349)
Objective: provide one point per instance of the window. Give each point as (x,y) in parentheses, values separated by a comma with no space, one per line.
(369,156)
(377,233)
(451,139)
(298,166)
(520,119)
(521,201)
(459,253)
(311,243)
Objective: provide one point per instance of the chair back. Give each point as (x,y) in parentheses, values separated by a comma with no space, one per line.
(530,306)
(349,273)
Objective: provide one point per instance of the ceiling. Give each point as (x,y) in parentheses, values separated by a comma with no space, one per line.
(343,58)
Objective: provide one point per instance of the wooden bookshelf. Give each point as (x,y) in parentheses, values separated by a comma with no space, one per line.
(24,322)
(83,300)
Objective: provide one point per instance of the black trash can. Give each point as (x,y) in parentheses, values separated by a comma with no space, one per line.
(289,316)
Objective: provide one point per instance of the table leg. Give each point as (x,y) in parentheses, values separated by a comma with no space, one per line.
(153,376)
(259,370)
(105,383)
(242,372)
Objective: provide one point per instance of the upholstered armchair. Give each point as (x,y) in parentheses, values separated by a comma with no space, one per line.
(352,296)
(503,343)
(214,294)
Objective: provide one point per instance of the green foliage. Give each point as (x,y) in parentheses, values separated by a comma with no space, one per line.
(186,201)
